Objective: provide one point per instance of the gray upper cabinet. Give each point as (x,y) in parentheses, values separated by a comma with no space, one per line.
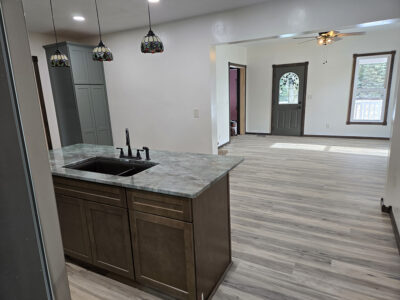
(84,69)
(85,109)
(80,97)
(101,115)
(93,113)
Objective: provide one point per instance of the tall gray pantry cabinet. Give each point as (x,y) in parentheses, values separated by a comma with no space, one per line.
(80,97)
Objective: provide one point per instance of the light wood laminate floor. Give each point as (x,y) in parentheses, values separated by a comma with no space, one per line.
(306,224)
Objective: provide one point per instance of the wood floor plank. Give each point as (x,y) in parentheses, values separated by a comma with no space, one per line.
(306,224)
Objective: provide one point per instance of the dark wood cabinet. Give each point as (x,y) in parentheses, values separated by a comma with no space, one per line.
(92,231)
(178,246)
(164,257)
(110,238)
(74,230)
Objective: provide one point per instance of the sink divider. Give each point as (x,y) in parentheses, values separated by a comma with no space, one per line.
(124,172)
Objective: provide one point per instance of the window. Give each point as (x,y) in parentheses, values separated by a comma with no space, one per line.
(289,88)
(370,88)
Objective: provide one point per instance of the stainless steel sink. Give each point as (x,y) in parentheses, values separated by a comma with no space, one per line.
(111,166)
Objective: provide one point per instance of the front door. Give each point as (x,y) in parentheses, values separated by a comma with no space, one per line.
(288,102)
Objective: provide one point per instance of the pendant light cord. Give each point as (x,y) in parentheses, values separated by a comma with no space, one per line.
(98,19)
(54,26)
(148,10)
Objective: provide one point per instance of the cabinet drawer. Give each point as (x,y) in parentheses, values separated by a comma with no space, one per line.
(101,193)
(167,206)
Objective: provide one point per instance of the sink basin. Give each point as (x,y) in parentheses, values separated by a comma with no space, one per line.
(111,166)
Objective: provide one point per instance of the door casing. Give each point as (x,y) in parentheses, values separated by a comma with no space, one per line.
(242,79)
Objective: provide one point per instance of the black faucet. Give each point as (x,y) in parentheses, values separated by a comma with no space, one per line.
(128,142)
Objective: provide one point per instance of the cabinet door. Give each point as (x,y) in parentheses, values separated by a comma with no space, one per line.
(163,252)
(86,115)
(110,238)
(101,115)
(74,232)
(78,58)
(95,69)
(84,69)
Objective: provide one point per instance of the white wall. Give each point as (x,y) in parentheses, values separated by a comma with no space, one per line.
(37,41)
(155,95)
(225,55)
(328,85)
(392,188)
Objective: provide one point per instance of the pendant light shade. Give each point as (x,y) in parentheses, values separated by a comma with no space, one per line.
(101,52)
(151,43)
(58,59)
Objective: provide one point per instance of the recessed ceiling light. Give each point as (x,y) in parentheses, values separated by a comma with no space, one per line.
(154,1)
(78,18)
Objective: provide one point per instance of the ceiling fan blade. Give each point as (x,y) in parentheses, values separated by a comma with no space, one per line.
(336,39)
(306,41)
(350,34)
(306,37)
(332,33)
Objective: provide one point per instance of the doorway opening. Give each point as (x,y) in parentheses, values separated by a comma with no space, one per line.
(289,85)
(237,99)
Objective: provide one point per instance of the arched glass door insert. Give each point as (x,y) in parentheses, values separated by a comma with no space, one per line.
(289,88)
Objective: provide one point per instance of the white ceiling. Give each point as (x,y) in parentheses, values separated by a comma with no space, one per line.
(288,38)
(117,15)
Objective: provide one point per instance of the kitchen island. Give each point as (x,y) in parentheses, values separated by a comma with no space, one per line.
(166,228)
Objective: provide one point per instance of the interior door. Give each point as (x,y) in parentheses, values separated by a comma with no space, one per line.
(288,102)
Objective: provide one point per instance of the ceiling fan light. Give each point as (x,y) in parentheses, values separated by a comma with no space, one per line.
(59,59)
(151,43)
(102,53)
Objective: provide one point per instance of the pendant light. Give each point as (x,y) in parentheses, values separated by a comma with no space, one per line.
(58,59)
(101,52)
(151,43)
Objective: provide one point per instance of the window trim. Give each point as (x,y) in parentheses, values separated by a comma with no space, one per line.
(389,85)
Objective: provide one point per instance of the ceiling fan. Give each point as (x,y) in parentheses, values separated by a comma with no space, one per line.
(328,37)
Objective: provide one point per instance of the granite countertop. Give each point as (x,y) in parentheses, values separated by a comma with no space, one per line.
(178,174)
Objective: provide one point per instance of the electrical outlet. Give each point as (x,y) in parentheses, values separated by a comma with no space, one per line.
(196,113)
(309,96)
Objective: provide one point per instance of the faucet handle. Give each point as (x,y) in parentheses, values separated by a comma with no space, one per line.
(121,152)
(147,150)
(138,156)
